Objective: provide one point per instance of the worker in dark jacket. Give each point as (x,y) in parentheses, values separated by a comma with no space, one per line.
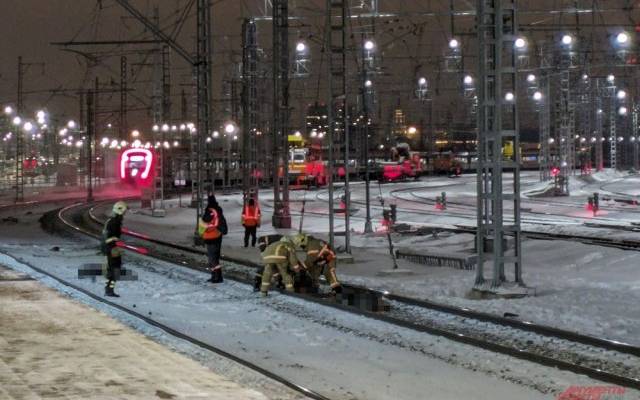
(212,227)
(251,218)
(110,240)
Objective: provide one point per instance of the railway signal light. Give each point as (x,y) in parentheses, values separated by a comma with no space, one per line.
(555,171)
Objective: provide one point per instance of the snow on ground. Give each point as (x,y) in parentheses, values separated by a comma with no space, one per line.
(339,354)
(51,347)
(591,289)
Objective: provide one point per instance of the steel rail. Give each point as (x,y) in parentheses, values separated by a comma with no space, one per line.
(171,331)
(463,338)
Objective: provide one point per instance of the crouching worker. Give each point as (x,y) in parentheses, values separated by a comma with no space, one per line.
(320,260)
(279,257)
(212,227)
(110,238)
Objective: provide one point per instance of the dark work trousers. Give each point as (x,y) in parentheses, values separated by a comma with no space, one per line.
(213,256)
(250,231)
(114,264)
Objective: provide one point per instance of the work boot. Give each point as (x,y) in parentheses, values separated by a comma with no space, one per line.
(216,276)
(109,292)
(257,282)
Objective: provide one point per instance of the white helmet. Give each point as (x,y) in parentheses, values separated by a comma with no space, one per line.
(120,208)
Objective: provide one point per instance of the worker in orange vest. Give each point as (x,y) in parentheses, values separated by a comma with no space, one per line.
(251,218)
(211,227)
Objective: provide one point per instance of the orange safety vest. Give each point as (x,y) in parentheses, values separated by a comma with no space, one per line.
(209,230)
(250,215)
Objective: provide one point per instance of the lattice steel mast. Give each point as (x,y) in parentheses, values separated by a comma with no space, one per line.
(249,105)
(281,214)
(497,122)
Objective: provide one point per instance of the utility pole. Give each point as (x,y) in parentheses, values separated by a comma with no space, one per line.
(203,69)
(90,134)
(19,137)
(544,115)
(336,46)
(249,104)
(280,129)
(123,98)
(497,122)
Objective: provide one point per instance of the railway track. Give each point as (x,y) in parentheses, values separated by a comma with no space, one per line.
(77,223)
(602,359)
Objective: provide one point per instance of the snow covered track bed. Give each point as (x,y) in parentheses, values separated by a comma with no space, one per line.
(600,359)
(157,323)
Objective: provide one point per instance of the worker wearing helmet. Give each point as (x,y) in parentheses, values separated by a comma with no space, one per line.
(279,257)
(321,260)
(110,239)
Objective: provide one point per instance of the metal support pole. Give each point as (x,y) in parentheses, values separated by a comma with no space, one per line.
(203,73)
(545,128)
(249,104)
(497,122)
(337,19)
(91,114)
(19,137)
(281,215)
(123,98)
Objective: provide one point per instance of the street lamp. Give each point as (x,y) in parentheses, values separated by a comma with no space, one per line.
(17,120)
(520,43)
(537,95)
(621,95)
(301,47)
(622,38)
(567,40)
(369,45)
(71,124)
(229,127)
(8,110)
(454,44)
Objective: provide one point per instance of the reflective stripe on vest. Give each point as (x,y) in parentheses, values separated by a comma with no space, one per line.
(214,221)
(210,229)
(247,216)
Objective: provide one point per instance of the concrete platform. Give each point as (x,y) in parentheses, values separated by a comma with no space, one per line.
(52,347)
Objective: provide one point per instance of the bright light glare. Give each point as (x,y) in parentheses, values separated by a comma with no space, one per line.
(369,45)
(537,96)
(453,43)
(468,80)
(621,94)
(71,124)
(622,110)
(135,133)
(229,128)
(8,110)
(611,78)
(368,83)
(422,81)
(622,38)
(531,78)
(509,96)
(17,120)
(567,39)
(28,126)
(520,43)
(300,47)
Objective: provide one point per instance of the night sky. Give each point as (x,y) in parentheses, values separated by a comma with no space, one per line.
(409,46)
